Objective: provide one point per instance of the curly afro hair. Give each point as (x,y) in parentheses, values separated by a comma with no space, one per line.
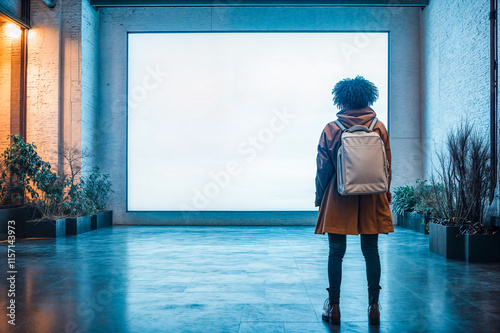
(354,93)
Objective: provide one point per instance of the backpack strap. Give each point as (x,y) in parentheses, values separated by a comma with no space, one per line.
(339,124)
(372,125)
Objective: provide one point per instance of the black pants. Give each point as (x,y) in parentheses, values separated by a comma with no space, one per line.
(369,247)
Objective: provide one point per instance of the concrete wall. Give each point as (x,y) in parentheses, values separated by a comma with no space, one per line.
(404,96)
(70,84)
(455,71)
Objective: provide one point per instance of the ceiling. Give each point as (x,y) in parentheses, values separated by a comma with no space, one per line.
(246,3)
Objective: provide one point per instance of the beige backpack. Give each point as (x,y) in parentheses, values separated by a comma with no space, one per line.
(362,165)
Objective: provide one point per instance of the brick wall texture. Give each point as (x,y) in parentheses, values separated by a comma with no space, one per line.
(63,80)
(10,67)
(5,79)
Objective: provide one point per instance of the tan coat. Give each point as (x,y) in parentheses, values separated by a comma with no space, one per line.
(349,215)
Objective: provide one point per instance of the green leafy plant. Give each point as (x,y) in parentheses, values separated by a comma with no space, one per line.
(425,199)
(97,188)
(78,203)
(26,179)
(20,162)
(418,198)
(3,185)
(52,199)
(404,199)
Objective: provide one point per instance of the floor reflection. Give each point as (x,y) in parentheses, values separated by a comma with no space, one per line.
(239,279)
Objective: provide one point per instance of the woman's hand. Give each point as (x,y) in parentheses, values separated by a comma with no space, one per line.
(389,196)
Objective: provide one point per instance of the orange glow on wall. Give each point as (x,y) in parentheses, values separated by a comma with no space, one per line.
(13,30)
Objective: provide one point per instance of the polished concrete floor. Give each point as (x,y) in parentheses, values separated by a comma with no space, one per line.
(239,279)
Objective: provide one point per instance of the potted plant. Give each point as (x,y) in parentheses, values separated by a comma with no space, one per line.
(97,189)
(78,210)
(424,208)
(412,207)
(403,203)
(50,202)
(77,207)
(19,162)
(445,239)
(58,204)
(459,189)
(482,244)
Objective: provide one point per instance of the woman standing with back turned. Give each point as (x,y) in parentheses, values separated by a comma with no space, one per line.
(367,215)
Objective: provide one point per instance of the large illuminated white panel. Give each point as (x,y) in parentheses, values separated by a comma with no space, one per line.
(231,121)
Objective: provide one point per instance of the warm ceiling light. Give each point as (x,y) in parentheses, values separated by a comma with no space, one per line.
(12,30)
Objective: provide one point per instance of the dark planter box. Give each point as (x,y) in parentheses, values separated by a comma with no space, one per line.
(9,206)
(46,228)
(20,215)
(102,219)
(77,225)
(412,221)
(418,222)
(93,222)
(402,222)
(495,222)
(446,241)
(482,248)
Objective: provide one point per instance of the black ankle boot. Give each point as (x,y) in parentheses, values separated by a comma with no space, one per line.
(331,308)
(374,307)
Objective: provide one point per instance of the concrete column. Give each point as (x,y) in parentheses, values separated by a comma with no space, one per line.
(54,106)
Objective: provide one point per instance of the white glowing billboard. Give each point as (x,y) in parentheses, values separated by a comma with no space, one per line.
(231,121)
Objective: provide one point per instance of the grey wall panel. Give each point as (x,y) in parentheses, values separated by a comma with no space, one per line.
(404,96)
